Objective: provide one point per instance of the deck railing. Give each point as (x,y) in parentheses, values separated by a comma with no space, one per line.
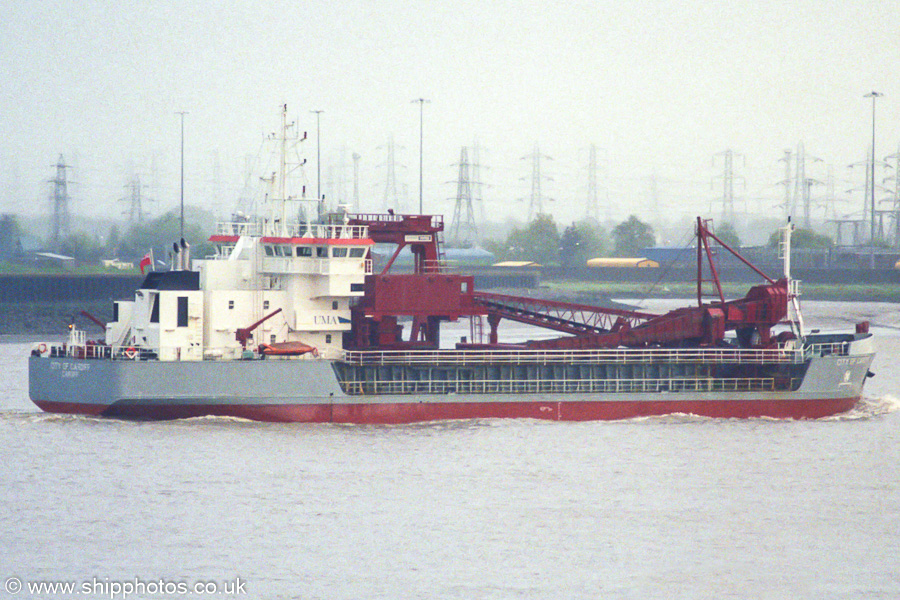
(836,348)
(485,357)
(239,228)
(167,353)
(301,230)
(568,386)
(612,356)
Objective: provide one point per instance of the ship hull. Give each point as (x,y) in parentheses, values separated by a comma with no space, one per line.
(397,413)
(309,391)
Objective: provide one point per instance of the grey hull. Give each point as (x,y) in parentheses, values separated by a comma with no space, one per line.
(308,390)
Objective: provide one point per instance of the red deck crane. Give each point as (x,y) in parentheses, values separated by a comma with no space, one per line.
(430,296)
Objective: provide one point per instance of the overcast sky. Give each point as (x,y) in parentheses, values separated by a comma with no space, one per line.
(660,87)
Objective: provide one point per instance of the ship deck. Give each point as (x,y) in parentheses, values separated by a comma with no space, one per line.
(629,370)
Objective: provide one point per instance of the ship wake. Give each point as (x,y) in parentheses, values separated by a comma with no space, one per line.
(869,408)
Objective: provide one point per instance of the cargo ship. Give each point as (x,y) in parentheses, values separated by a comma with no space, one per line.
(289,321)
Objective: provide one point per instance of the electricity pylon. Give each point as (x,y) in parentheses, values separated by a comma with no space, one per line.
(727,178)
(536,200)
(59,225)
(463,230)
(391,198)
(135,211)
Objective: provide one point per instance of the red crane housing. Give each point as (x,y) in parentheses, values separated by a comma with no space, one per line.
(429,296)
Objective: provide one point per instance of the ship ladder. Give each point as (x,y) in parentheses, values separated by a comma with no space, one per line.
(441,257)
(476,329)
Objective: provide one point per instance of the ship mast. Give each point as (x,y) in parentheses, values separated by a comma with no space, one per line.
(795,317)
(279,196)
(282,172)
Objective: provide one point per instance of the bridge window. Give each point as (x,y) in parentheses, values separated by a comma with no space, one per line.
(339,252)
(357,252)
(321,252)
(304,251)
(269,251)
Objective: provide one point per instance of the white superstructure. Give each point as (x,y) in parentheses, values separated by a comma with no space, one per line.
(296,272)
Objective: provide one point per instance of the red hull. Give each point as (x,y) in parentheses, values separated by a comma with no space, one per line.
(437,411)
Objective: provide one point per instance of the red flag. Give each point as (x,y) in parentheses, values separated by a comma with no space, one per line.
(146,262)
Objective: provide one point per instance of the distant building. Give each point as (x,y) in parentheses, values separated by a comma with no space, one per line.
(115,263)
(619,263)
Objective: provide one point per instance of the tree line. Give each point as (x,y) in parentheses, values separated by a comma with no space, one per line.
(540,241)
(91,246)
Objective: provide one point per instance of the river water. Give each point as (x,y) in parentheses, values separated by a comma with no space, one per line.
(672,507)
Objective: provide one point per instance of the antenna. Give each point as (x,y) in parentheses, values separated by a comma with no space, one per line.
(795,317)
(421,102)
(356,158)
(182,113)
(318,156)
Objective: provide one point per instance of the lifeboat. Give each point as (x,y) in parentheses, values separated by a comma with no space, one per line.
(287,349)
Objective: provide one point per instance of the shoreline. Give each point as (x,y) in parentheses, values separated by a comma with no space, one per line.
(53,317)
(854,292)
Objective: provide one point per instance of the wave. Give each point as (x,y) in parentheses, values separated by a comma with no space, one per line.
(30,416)
(210,419)
(870,407)
(866,408)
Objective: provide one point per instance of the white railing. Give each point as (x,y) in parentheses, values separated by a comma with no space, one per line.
(437,221)
(614,356)
(92,351)
(96,351)
(302,230)
(125,352)
(481,357)
(239,228)
(336,232)
(435,266)
(835,348)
